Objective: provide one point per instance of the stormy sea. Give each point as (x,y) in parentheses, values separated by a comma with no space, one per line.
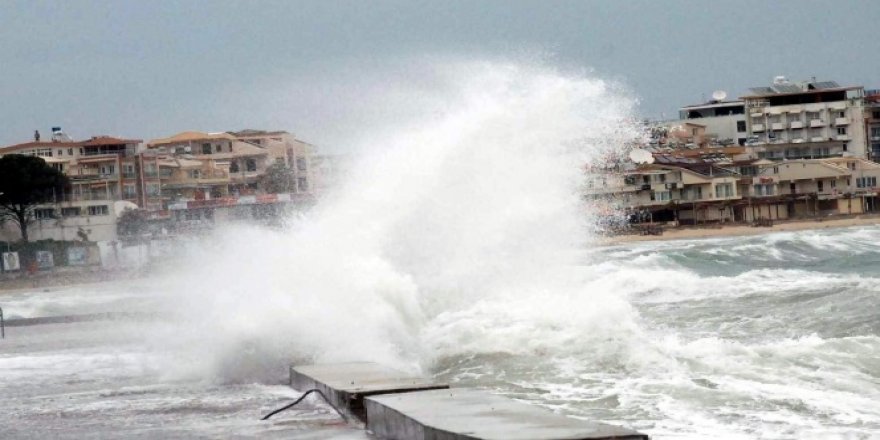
(459,247)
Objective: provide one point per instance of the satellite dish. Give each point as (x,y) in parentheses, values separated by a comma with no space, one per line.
(641,156)
(719,95)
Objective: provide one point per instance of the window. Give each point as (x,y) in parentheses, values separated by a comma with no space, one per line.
(129,191)
(833,183)
(820,186)
(301,163)
(59,152)
(107,170)
(128,171)
(71,212)
(775,170)
(723,190)
(694,193)
(875,115)
(866,182)
(233,166)
(251,165)
(98,210)
(217,148)
(740,126)
(206,148)
(875,132)
(44,213)
(195,174)
(70,151)
(765,189)
(302,183)
(153,189)
(841,130)
(841,114)
(44,152)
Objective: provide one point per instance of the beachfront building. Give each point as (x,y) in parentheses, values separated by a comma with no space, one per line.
(872,123)
(99,168)
(284,148)
(805,120)
(213,178)
(696,191)
(230,163)
(107,174)
(715,124)
(724,122)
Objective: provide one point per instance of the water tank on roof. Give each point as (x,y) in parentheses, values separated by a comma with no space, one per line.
(780,80)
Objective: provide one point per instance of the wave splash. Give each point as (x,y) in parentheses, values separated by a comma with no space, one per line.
(457,233)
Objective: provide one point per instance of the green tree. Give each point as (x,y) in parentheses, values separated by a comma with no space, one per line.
(132,223)
(25,182)
(278,179)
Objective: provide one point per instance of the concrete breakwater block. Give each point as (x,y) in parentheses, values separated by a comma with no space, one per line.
(454,414)
(346,384)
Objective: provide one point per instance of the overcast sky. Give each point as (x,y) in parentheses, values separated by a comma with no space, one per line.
(149,69)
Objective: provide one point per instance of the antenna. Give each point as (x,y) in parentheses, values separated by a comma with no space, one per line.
(641,156)
(719,95)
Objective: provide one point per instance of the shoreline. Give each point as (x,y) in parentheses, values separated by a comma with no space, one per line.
(739,229)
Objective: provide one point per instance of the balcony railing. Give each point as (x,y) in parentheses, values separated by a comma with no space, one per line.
(817,123)
(757,128)
(841,121)
(777,126)
(796,124)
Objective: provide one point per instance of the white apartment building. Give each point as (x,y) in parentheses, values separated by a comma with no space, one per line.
(724,121)
(805,120)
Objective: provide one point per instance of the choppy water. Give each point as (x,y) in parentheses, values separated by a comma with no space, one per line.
(459,246)
(770,336)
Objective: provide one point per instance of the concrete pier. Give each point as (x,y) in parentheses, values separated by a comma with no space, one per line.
(346,384)
(473,414)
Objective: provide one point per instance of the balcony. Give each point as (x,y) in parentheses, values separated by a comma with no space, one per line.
(757,128)
(841,121)
(817,139)
(756,113)
(796,124)
(817,123)
(797,140)
(777,126)
(842,137)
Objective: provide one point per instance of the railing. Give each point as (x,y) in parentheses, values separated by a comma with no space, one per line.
(2,325)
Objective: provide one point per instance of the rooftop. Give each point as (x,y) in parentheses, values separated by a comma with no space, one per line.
(189,136)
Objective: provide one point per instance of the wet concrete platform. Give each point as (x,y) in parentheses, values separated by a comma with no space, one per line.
(346,384)
(473,414)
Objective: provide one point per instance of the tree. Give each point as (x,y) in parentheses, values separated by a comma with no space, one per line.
(278,179)
(25,182)
(132,223)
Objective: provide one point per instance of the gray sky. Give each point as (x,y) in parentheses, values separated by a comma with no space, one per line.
(149,69)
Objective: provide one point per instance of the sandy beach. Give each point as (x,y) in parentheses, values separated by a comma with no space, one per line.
(733,230)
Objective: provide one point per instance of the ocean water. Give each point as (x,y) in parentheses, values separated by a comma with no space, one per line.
(459,246)
(772,336)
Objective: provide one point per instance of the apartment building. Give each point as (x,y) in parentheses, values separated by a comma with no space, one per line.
(724,122)
(203,166)
(285,148)
(99,168)
(872,123)
(693,191)
(805,120)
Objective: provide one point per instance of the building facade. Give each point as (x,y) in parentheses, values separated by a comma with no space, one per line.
(805,120)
